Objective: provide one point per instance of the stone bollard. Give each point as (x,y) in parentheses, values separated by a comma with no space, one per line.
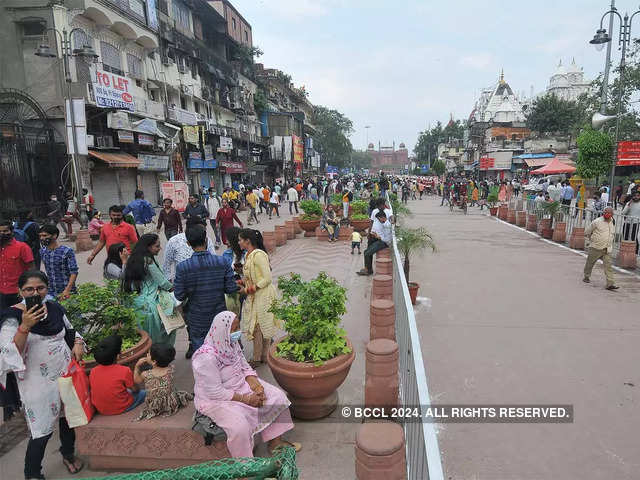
(345,233)
(511,216)
(83,241)
(521,218)
(382,287)
(627,255)
(296,221)
(384,266)
(290,229)
(576,240)
(382,319)
(384,253)
(380,452)
(269,239)
(381,385)
(532,222)
(281,235)
(321,235)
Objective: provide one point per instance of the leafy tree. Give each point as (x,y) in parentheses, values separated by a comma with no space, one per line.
(551,114)
(260,103)
(427,145)
(438,167)
(333,129)
(594,155)
(361,159)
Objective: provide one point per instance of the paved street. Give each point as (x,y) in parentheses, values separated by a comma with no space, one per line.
(511,322)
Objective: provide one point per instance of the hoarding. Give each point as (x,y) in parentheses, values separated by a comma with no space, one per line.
(176,191)
(112,91)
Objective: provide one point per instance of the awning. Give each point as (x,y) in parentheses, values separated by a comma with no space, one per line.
(537,162)
(525,156)
(147,126)
(116,160)
(555,166)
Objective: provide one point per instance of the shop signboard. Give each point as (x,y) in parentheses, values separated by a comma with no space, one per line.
(176,191)
(226,144)
(234,167)
(298,150)
(144,139)
(112,91)
(125,136)
(195,160)
(153,163)
(628,153)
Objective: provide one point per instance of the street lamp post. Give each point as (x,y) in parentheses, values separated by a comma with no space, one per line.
(86,52)
(600,38)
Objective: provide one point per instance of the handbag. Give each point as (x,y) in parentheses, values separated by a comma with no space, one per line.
(170,314)
(75,395)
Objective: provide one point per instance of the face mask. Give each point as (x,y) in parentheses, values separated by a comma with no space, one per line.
(46,242)
(53,199)
(235,336)
(608,215)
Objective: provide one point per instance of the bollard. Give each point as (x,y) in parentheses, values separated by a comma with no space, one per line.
(380,452)
(382,322)
(384,253)
(381,385)
(627,255)
(521,218)
(384,266)
(290,228)
(382,287)
(576,240)
(511,216)
(269,239)
(281,235)
(532,222)
(544,228)
(296,221)
(345,233)
(321,235)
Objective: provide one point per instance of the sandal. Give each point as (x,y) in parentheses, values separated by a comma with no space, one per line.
(297,446)
(72,465)
(255,363)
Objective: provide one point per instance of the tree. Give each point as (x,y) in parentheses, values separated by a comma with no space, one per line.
(260,102)
(427,145)
(331,139)
(550,114)
(438,167)
(361,160)
(594,155)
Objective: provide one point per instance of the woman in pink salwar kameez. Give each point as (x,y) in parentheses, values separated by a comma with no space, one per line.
(228,391)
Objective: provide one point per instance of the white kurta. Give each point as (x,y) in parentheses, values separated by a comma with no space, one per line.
(44,359)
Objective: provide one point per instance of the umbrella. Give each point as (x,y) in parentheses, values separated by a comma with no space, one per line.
(553,167)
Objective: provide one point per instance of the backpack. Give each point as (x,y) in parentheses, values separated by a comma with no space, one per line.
(20,234)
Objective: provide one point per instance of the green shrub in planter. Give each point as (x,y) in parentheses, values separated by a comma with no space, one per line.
(336,199)
(359,207)
(99,311)
(359,216)
(311,312)
(312,209)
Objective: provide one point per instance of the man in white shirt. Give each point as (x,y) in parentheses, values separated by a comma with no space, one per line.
(292,198)
(381,233)
(274,204)
(381,205)
(178,250)
(214,204)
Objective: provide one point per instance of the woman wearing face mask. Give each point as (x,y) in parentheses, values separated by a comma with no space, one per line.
(228,391)
(143,276)
(40,331)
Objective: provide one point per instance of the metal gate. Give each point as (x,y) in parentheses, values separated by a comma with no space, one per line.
(31,166)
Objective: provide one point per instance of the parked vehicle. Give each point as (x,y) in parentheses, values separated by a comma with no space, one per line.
(535,182)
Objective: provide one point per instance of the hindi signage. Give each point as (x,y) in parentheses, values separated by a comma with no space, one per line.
(176,191)
(298,149)
(144,139)
(112,91)
(153,163)
(628,153)
(234,167)
(226,144)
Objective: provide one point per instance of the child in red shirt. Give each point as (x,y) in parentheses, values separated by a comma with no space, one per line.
(112,388)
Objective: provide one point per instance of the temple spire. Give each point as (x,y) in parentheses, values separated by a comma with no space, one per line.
(502,76)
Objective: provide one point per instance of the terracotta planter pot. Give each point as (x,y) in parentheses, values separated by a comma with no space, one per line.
(627,256)
(560,232)
(544,228)
(532,222)
(521,218)
(493,211)
(311,389)
(511,216)
(360,225)
(576,240)
(281,235)
(413,292)
(290,229)
(129,357)
(309,227)
(296,222)
(503,211)
(269,239)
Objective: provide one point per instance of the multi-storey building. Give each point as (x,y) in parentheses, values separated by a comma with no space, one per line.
(389,158)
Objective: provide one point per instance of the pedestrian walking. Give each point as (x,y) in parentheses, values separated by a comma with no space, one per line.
(274,203)
(59,262)
(202,281)
(15,259)
(252,202)
(115,231)
(54,214)
(178,250)
(600,234)
(631,212)
(292,198)
(143,213)
(225,218)
(214,204)
(28,231)
(170,217)
(195,209)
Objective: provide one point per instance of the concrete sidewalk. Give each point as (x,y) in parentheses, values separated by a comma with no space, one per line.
(321,440)
(510,322)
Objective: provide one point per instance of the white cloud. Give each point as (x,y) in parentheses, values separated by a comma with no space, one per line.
(478,61)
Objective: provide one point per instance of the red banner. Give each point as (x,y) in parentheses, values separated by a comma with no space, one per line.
(628,153)
(298,150)
(485,163)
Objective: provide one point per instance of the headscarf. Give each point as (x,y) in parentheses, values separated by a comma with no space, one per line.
(218,342)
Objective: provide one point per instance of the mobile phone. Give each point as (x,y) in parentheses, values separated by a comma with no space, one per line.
(33,301)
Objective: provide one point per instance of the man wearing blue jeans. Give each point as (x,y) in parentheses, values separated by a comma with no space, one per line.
(381,235)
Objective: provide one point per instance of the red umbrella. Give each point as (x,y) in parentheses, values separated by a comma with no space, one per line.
(553,167)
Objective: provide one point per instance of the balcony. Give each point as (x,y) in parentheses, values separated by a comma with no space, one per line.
(182,117)
(149,108)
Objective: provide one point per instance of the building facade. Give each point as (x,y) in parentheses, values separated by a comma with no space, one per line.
(568,83)
(389,158)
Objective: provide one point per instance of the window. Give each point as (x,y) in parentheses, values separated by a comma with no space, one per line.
(137,7)
(32,27)
(181,15)
(163,7)
(183,102)
(196,105)
(134,64)
(246,36)
(233,22)
(111,61)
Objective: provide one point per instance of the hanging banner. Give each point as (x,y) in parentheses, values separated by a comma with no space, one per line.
(125,136)
(80,122)
(112,91)
(191,135)
(226,144)
(628,153)
(144,139)
(176,191)
(153,163)
(208,152)
(234,167)
(298,150)
(195,160)
(118,121)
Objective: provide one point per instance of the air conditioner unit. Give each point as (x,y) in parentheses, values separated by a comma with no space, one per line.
(90,141)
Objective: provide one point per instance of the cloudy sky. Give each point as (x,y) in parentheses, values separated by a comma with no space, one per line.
(401,65)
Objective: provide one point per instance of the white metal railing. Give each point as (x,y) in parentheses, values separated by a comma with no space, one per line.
(422,450)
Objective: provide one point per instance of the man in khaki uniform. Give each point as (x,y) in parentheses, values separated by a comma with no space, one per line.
(600,235)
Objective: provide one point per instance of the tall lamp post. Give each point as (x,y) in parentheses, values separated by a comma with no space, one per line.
(87,52)
(599,39)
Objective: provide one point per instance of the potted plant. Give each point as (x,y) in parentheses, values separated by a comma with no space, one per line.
(99,311)
(492,200)
(556,212)
(411,240)
(312,215)
(359,218)
(313,360)
(549,213)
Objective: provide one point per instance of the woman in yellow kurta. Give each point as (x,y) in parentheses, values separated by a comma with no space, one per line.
(258,324)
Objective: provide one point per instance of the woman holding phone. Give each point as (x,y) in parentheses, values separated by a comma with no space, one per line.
(38,326)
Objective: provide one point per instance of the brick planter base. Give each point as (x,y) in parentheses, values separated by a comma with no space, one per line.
(532,222)
(281,235)
(521,218)
(381,383)
(627,255)
(576,240)
(503,211)
(511,216)
(269,239)
(560,232)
